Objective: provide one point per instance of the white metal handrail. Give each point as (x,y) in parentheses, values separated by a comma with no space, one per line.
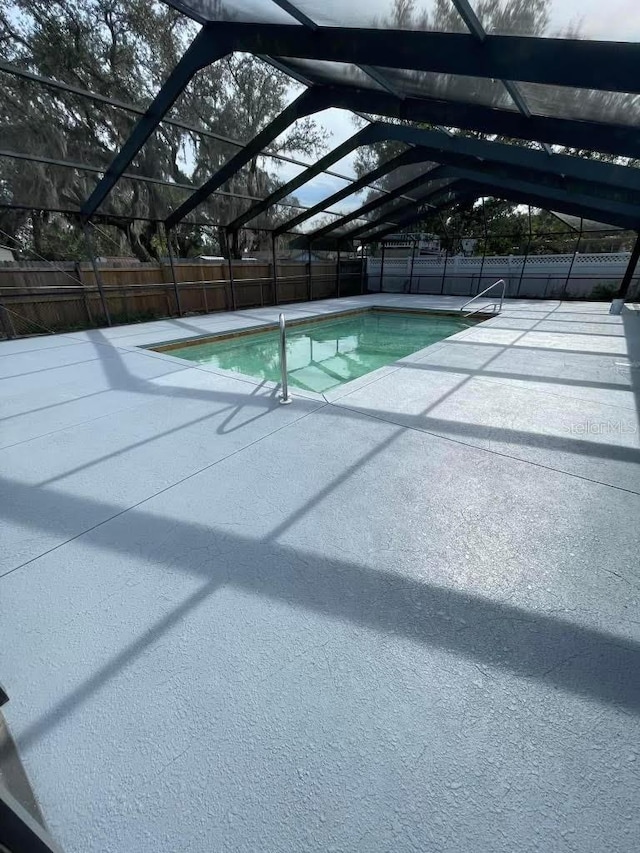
(486,290)
(285,397)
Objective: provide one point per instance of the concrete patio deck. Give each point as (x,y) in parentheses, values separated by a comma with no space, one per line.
(403,617)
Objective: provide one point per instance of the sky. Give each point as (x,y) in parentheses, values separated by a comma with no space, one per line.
(339,125)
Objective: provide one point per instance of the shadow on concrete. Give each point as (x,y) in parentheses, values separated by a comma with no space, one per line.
(524,377)
(583,661)
(120,378)
(519,347)
(470,430)
(537,646)
(562,331)
(631,325)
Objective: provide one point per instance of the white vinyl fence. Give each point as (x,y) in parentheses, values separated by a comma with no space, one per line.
(536,276)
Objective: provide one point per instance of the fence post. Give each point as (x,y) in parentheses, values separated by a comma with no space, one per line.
(96,273)
(231,282)
(85,297)
(456,269)
(7,322)
(274,260)
(173,273)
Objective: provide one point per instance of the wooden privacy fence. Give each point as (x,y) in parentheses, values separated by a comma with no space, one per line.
(67,296)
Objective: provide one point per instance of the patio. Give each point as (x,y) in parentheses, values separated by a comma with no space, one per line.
(399,617)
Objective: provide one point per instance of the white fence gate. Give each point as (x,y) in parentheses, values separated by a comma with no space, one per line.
(535,276)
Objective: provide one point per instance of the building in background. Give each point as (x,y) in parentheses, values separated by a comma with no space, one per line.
(401,245)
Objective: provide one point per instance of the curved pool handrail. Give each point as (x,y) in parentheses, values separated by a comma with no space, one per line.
(486,290)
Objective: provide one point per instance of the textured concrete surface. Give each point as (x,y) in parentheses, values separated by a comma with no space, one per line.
(401,617)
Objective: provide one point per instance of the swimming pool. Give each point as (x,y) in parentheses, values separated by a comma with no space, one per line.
(323,353)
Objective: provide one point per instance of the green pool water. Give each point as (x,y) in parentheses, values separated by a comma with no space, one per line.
(323,354)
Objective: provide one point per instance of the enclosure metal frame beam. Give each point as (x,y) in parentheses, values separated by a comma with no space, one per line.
(310,101)
(598,136)
(413,155)
(597,190)
(100,170)
(557,187)
(306,21)
(609,138)
(505,176)
(470,19)
(608,66)
(7,68)
(600,65)
(202,51)
(613,212)
(453,196)
(429,200)
(562,165)
(439,147)
(426,177)
(362,137)
(536,197)
(131,176)
(474,25)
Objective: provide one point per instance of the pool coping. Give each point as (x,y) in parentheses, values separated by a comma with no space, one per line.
(164,349)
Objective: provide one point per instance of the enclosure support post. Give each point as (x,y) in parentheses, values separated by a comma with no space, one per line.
(526,257)
(618,302)
(274,260)
(484,245)
(176,289)
(573,260)
(338,272)
(382,269)
(363,266)
(231,280)
(309,279)
(96,273)
(444,271)
(524,264)
(413,258)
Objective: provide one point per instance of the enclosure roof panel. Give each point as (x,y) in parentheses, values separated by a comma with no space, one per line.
(616,20)
(423,14)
